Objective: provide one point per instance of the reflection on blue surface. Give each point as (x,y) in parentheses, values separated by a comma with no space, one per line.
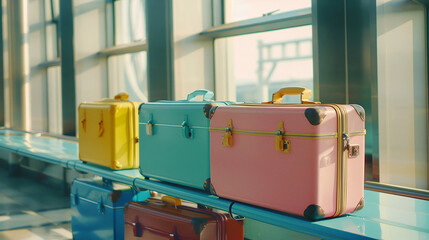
(385,216)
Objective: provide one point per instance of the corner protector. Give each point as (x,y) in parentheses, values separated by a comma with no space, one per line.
(360,205)
(360,110)
(209,109)
(315,115)
(314,212)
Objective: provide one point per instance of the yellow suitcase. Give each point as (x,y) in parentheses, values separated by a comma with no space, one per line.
(109,133)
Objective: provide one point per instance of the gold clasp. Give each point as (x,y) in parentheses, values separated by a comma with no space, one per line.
(227,137)
(149,128)
(281,144)
(149,125)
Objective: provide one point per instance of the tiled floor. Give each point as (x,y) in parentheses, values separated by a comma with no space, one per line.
(31,210)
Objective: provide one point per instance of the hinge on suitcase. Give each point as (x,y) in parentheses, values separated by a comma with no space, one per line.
(281,144)
(227,137)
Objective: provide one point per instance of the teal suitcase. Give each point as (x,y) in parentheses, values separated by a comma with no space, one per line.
(174,139)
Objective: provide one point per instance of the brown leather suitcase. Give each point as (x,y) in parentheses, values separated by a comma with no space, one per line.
(165,219)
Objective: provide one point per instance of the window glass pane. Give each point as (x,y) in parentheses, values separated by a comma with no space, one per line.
(51,29)
(402,93)
(52,7)
(256,65)
(51,42)
(130,23)
(236,10)
(54,100)
(127,73)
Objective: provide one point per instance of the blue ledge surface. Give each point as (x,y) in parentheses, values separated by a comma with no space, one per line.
(385,216)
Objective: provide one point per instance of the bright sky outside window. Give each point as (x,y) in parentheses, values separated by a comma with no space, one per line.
(236,10)
(127,73)
(260,64)
(130,23)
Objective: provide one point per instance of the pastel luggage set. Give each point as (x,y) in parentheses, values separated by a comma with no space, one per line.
(168,219)
(306,159)
(108,132)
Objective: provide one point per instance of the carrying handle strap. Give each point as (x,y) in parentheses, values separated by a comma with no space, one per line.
(207,95)
(122,96)
(304,92)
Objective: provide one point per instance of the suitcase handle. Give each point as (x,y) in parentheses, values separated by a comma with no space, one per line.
(207,95)
(171,200)
(304,92)
(122,96)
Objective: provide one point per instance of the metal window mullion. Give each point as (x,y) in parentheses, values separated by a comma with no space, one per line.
(2,96)
(160,53)
(426,4)
(124,49)
(48,64)
(68,89)
(17,91)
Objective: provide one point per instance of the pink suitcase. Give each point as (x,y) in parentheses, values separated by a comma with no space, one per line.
(305,159)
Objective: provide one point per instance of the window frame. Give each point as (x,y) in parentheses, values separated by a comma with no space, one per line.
(286,20)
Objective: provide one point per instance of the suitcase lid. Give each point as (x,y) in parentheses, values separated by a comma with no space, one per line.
(99,191)
(189,111)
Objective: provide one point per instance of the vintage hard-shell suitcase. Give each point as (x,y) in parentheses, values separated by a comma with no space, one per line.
(97,208)
(108,132)
(159,219)
(174,144)
(306,159)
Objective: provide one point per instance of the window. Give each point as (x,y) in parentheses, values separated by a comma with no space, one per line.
(55,102)
(126,59)
(237,10)
(260,64)
(256,57)
(127,72)
(130,24)
(402,93)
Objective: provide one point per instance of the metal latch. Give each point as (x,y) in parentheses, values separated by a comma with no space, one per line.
(227,137)
(186,130)
(149,128)
(353,151)
(100,207)
(149,125)
(281,144)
